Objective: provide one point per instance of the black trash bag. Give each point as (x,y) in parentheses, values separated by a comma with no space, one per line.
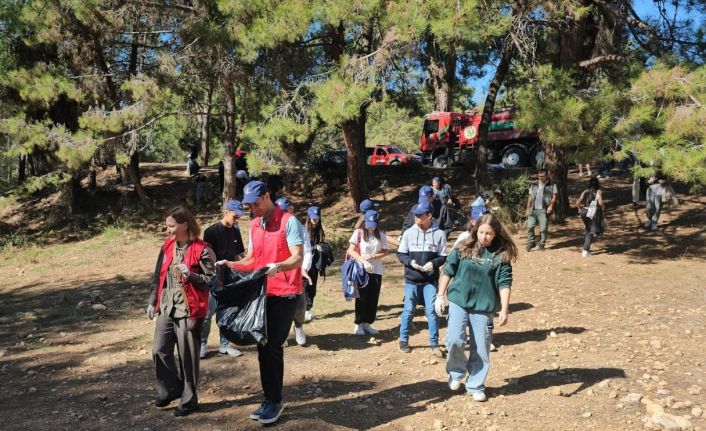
(241,298)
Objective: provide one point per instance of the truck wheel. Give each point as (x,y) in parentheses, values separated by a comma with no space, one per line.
(514,157)
(440,162)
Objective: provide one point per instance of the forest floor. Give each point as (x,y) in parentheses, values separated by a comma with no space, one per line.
(610,342)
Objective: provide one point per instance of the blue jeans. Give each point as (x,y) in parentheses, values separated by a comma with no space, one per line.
(457,364)
(206,328)
(411,293)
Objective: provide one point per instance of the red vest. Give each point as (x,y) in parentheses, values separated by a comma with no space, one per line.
(269,245)
(196,299)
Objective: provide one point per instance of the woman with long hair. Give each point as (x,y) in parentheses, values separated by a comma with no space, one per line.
(590,205)
(368,245)
(481,271)
(179,300)
(316,236)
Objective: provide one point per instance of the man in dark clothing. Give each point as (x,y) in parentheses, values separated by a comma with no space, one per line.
(440,218)
(227,243)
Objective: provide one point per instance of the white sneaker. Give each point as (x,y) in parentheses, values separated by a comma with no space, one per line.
(479,396)
(359,330)
(308,316)
(653,226)
(585,253)
(369,329)
(229,351)
(203,351)
(300,336)
(454,384)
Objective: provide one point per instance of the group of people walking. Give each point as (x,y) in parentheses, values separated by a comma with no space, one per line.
(473,281)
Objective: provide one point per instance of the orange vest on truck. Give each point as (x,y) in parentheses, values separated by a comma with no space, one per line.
(269,245)
(196,299)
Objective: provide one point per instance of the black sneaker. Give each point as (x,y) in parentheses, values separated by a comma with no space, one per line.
(186,409)
(404,347)
(164,402)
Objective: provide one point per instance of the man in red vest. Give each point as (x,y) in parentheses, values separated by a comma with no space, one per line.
(275,242)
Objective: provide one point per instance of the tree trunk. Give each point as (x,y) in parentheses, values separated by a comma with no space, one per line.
(442,70)
(489,107)
(21,168)
(205,120)
(354,138)
(32,166)
(230,141)
(558,172)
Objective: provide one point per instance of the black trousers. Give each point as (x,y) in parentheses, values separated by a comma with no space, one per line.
(280,314)
(310,289)
(366,307)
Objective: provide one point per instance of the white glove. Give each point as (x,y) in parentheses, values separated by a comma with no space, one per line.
(184,270)
(150,312)
(428,267)
(367,266)
(439,305)
(415,265)
(271,269)
(221,262)
(318,247)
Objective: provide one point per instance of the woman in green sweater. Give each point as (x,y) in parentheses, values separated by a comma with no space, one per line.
(482,276)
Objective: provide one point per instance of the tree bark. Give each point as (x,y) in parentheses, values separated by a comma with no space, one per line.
(443,75)
(354,138)
(205,120)
(21,168)
(133,170)
(230,141)
(489,107)
(559,173)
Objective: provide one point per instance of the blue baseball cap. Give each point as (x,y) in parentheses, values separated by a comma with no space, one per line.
(421,208)
(283,204)
(367,205)
(371,219)
(314,213)
(235,206)
(253,190)
(426,191)
(477,211)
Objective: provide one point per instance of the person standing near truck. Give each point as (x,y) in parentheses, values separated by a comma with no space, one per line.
(540,205)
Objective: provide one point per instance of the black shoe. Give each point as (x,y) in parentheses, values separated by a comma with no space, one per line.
(164,402)
(404,347)
(186,409)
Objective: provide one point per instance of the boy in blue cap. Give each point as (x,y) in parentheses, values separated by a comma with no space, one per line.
(440,212)
(227,243)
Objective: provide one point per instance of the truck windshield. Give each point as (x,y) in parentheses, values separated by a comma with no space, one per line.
(395,150)
(431,126)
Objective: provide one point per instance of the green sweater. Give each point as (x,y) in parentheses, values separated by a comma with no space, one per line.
(476,283)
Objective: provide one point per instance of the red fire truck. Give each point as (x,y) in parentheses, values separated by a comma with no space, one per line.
(449,137)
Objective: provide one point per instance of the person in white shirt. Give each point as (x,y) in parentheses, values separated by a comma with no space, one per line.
(368,245)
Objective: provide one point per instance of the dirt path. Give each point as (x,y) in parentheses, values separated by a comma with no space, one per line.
(591,343)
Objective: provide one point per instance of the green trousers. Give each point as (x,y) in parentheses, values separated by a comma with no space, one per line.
(537,217)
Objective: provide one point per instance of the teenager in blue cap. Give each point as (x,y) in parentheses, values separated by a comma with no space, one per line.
(422,251)
(227,243)
(368,246)
(316,234)
(365,206)
(440,212)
